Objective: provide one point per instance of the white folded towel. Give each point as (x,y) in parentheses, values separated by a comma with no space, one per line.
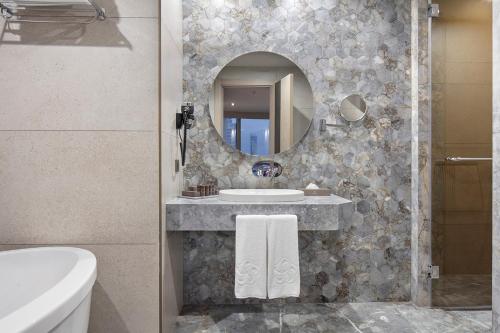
(251,256)
(283,274)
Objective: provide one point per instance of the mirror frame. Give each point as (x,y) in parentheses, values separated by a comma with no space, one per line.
(364,113)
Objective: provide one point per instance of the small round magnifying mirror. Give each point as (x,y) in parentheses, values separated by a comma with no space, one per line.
(353,108)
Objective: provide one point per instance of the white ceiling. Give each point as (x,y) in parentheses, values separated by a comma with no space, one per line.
(247,99)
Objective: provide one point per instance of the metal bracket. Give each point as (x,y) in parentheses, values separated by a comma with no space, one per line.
(433,10)
(433,272)
(101,15)
(323,125)
(32,13)
(465,159)
(5,11)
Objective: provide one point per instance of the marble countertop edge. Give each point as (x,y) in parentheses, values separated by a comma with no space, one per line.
(308,200)
(212,214)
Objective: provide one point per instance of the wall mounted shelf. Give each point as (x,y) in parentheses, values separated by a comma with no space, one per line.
(51,11)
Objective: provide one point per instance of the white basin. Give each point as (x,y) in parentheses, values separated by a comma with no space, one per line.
(261,195)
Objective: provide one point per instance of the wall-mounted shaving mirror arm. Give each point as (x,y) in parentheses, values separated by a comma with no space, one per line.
(352,108)
(323,125)
(184,121)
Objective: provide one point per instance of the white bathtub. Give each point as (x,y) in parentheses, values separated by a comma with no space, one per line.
(46,290)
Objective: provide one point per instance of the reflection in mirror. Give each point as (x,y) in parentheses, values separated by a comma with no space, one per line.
(261,103)
(353,108)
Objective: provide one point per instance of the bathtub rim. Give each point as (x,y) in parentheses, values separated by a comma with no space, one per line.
(54,305)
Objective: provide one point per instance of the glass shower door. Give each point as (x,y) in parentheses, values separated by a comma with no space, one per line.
(461,150)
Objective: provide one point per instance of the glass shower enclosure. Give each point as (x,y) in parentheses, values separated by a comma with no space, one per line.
(461,57)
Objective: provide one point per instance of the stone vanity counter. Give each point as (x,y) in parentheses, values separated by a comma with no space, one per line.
(213,214)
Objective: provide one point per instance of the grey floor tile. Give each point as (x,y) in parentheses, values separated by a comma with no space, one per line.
(384,317)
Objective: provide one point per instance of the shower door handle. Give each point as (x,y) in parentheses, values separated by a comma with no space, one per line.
(463,159)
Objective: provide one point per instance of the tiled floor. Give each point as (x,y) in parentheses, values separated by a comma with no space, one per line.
(464,290)
(338,318)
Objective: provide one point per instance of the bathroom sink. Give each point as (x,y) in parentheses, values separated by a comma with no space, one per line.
(261,195)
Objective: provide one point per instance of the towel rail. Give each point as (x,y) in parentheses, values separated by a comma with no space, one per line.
(463,159)
(39,12)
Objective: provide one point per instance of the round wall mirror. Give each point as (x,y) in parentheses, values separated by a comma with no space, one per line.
(261,103)
(353,108)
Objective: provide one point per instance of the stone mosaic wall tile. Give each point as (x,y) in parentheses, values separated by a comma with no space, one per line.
(343,46)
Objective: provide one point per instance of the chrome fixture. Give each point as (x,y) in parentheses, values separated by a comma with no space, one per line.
(51,11)
(5,11)
(352,108)
(464,159)
(323,125)
(267,168)
(433,10)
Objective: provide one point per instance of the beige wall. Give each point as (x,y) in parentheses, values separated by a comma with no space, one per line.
(79,152)
(462,126)
(171,99)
